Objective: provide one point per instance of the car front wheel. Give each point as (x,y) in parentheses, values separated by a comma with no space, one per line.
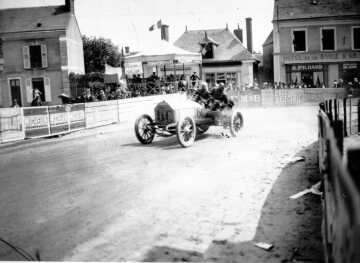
(143,129)
(236,123)
(186,131)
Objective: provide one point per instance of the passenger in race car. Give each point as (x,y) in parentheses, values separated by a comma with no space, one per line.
(202,95)
(219,99)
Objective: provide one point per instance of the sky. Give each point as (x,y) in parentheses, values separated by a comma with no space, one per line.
(127,22)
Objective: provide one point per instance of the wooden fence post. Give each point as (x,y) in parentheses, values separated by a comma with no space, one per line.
(353,164)
(339,134)
(345,119)
(336,110)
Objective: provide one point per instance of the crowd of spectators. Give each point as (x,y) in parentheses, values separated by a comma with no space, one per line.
(136,87)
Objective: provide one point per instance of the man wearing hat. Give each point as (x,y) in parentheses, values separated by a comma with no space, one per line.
(193,79)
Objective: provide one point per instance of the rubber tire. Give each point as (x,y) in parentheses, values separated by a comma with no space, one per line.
(236,123)
(137,132)
(179,133)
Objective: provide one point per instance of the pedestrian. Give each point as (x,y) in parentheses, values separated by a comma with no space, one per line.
(102,96)
(193,79)
(15,104)
(36,102)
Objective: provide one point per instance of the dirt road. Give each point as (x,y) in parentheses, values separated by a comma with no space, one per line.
(99,195)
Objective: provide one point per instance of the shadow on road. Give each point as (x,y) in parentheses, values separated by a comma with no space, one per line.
(171,143)
(292,226)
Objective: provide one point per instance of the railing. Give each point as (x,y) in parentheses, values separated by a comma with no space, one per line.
(341,187)
(147,88)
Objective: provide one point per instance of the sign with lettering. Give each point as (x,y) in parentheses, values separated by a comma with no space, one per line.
(36,122)
(133,68)
(77,117)
(250,98)
(267,97)
(11,127)
(160,63)
(307,67)
(321,57)
(59,119)
(289,96)
(349,66)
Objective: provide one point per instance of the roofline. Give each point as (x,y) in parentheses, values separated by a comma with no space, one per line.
(341,17)
(34,31)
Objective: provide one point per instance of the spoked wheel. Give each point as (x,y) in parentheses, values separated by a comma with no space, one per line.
(186,131)
(202,128)
(143,130)
(236,123)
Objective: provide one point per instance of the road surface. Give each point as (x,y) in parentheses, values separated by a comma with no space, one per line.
(99,195)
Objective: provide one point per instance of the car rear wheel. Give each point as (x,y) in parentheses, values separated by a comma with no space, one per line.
(186,131)
(143,130)
(236,123)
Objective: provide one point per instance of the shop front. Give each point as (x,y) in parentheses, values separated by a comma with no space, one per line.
(321,69)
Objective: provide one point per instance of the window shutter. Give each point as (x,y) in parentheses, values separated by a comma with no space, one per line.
(26,56)
(47,89)
(44,60)
(29,91)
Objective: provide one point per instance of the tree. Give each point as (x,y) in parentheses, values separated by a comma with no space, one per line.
(97,52)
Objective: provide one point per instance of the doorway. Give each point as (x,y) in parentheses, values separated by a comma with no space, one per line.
(307,78)
(38,83)
(15,91)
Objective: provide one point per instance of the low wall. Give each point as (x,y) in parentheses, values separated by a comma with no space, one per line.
(284,97)
(11,125)
(101,113)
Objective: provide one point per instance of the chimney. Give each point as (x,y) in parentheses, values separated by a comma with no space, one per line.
(69,5)
(239,33)
(165,32)
(249,39)
(127,50)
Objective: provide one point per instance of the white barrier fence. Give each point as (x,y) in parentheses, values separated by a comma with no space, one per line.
(34,122)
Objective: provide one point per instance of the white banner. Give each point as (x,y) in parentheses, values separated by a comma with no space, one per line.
(133,68)
(160,63)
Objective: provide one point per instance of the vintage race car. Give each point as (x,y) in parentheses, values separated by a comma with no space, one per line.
(185,118)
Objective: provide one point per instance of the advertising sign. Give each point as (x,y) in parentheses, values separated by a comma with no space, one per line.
(59,119)
(11,127)
(77,117)
(267,97)
(133,68)
(250,98)
(36,122)
(289,97)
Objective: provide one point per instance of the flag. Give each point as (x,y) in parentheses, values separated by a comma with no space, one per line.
(203,51)
(159,24)
(152,28)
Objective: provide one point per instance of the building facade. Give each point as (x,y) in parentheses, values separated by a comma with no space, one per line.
(316,42)
(224,57)
(40,47)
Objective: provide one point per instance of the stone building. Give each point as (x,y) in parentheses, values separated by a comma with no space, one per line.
(39,47)
(224,57)
(316,41)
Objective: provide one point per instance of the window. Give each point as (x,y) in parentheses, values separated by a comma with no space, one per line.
(207,51)
(356,37)
(299,40)
(35,56)
(210,78)
(227,78)
(15,91)
(41,84)
(328,39)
